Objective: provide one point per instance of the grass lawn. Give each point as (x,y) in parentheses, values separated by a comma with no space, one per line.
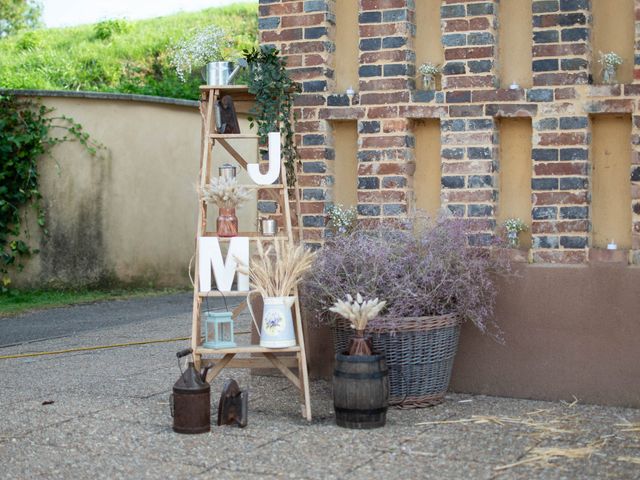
(19,301)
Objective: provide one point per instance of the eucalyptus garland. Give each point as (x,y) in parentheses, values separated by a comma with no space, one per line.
(274,93)
(25,135)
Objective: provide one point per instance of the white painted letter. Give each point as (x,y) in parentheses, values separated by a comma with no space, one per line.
(210,255)
(274,163)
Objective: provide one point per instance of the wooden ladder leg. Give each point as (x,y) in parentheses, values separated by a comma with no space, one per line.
(302,363)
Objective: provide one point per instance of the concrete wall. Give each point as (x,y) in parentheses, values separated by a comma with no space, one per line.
(129,214)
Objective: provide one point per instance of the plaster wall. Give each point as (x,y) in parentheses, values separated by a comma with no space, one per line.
(427,176)
(346,45)
(611,153)
(613,31)
(129,214)
(345,187)
(514,194)
(427,41)
(514,47)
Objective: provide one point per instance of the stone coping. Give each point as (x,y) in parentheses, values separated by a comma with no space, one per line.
(103,96)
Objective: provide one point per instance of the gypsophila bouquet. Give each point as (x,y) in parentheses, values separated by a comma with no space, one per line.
(207,45)
(342,220)
(610,60)
(225,192)
(514,226)
(429,68)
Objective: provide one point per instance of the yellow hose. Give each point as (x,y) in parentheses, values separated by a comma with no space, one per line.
(99,347)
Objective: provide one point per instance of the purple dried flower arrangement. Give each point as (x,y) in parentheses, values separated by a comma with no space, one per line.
(425,268)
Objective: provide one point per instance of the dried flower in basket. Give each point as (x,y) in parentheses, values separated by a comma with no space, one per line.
(277,270)
(225,192)
(358,311)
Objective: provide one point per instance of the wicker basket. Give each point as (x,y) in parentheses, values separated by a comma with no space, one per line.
(419,352)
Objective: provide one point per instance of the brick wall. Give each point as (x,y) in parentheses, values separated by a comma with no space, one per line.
(469,107)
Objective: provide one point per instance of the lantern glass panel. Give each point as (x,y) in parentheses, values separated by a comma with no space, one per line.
(218,330)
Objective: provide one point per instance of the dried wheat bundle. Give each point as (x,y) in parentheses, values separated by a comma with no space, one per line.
(225,192)
(276,271)
(635,460)
(545,455)
(358,311)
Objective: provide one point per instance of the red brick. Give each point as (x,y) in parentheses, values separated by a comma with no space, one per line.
(314,60)
(610,106)
(384,141)
(510,110)
(604,90)
(467,167)
(423,111)
(396,125)
(479,23)
(341,113)
(466,111)
(568,93)
(559,198)
(559,256)
(387,196)
(467,81)
(305,127)
(560,168)
(384,84)
(467,138)
(282,35)
(384,98)
(551,79)
(385,56)
(467,196)
(381,30)
(307,100)
(303,47)
(277,9)
(563,226)
(557,139)
(382,112)
(468,52)
(502,94)
(632,90)
(302,20)
(381,4)
(307,153)
(455,25)
(559,50)
(311,180)
(312,207)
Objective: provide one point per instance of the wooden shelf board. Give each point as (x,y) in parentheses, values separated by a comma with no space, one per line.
(246,349)
(231,136)
(251,235)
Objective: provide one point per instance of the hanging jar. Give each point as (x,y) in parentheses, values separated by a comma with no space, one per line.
(227,222)
(429,81)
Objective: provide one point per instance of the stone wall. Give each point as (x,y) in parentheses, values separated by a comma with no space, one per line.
(561,103)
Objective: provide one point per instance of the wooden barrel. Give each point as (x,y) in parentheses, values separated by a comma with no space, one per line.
(360,391)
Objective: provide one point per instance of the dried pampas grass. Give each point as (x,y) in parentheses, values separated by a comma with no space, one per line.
(225,192)
(277,270)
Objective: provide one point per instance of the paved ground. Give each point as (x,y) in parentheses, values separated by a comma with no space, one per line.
(110,417)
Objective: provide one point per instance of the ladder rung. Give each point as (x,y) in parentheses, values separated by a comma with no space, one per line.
(231,136)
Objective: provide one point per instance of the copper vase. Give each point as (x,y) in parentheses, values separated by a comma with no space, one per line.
(360,345)
(227,223)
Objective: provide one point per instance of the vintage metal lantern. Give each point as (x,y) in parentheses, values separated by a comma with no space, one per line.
(218,330)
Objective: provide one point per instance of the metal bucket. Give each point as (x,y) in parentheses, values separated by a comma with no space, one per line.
(218,73)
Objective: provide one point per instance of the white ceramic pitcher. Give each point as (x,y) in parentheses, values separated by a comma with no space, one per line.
(277,323)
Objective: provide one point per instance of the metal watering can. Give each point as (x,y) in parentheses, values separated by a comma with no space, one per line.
(277,323)
(222,73)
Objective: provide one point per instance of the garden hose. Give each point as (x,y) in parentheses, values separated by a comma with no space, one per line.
(99,347)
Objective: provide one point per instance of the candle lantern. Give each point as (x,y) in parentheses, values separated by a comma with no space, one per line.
(218,330)
(227,171)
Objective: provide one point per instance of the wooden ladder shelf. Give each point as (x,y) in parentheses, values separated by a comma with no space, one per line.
(218,359)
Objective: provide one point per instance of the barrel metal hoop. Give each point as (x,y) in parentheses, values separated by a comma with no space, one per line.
(361,376)
(371,411)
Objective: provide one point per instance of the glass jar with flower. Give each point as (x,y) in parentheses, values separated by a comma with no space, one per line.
(429,71)
(513,227)
(227,195)
(610,62)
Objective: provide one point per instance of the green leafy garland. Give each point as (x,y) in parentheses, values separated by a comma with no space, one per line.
(269,81)
(26,134)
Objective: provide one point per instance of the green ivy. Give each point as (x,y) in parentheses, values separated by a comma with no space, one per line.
(269,81)
(26,133)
